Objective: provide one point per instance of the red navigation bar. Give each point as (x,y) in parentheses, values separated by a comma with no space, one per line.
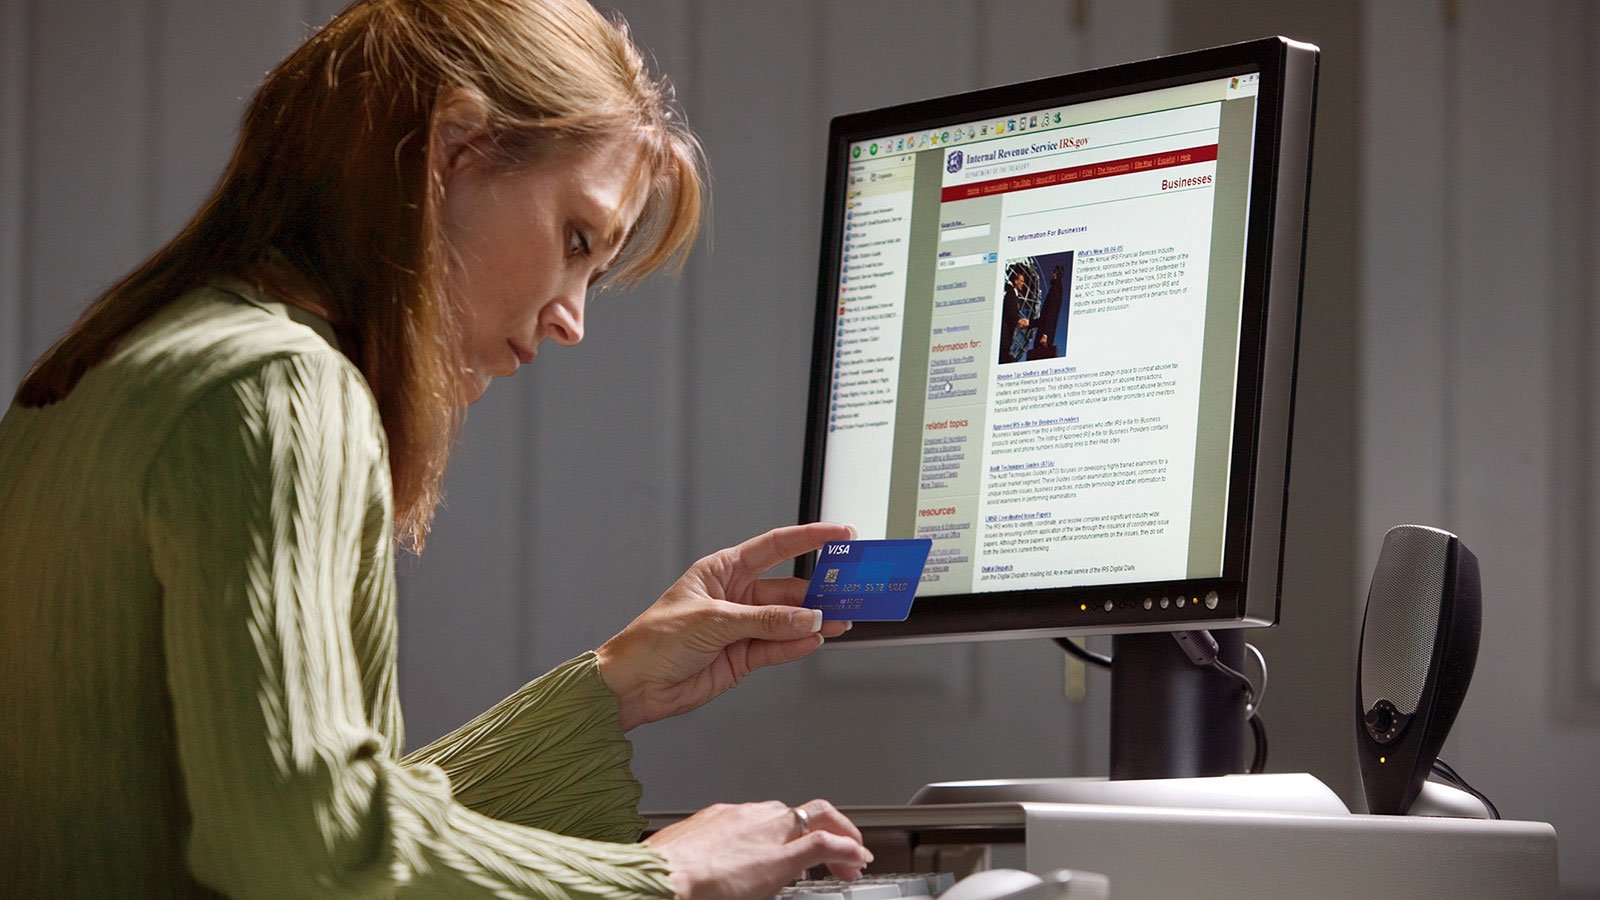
(1132,164)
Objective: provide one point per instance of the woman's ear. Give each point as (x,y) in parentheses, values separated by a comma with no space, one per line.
(460,124)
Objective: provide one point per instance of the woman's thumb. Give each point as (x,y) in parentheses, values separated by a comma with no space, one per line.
(776,622)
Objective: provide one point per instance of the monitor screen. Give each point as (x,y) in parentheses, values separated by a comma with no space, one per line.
(1056,337)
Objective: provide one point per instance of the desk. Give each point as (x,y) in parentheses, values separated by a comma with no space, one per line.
(1198,854)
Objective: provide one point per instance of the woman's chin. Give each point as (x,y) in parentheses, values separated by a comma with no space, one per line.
(477,384)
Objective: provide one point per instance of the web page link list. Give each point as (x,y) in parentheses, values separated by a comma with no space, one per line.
(872,286)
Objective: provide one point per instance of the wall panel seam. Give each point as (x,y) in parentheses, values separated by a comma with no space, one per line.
(1583,380)
(689,310)
(980,39)
(13,180)
(28,197)
(1449,331)
(1572,502)
(154,108)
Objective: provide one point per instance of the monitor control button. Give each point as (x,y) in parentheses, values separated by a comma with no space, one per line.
(1211,599)
(1109,604)
(1148,603)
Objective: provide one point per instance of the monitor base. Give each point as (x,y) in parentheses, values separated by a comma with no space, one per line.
(1276,792)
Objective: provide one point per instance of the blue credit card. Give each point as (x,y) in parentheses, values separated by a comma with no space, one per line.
(867,581)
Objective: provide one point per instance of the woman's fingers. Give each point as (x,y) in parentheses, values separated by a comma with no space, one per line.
(788,591)
(760,654)
(843,857)
(830,839)
(732,622)
(764,551)
(731,851)
(823,816)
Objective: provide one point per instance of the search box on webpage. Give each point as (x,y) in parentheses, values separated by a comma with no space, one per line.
(968,231)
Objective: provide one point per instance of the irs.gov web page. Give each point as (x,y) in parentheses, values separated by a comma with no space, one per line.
(1037,340)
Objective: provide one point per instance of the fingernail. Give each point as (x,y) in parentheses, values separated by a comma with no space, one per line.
(848,626)
(816,620)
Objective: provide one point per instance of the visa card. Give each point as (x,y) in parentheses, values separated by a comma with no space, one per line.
(867,581)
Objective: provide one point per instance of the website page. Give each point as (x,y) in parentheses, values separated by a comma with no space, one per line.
(1037,337)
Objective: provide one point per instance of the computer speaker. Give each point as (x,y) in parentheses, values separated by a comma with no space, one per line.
(1419,644)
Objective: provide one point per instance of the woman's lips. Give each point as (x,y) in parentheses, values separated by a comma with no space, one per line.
(523,354)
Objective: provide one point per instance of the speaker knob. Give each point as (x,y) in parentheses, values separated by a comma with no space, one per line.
(1385,721)
(1380,719)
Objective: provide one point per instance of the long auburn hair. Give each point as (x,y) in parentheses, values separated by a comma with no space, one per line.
(333,178)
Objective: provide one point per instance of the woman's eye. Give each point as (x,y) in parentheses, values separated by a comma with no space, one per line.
(578,244)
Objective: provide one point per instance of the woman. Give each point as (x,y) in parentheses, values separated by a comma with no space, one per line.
(202,482)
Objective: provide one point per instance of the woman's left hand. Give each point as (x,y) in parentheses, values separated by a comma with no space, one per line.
(719,622)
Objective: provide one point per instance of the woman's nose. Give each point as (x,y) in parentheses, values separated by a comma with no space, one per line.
(564,319)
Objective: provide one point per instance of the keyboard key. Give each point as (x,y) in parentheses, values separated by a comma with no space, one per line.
(910,885)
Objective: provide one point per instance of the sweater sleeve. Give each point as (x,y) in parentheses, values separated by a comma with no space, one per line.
(254,509)
(552,756)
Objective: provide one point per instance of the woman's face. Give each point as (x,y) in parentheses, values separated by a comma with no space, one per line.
(526,246)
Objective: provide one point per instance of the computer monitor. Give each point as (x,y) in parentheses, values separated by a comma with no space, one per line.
(1056,335)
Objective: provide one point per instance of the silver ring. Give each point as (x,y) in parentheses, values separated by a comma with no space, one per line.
(803,818)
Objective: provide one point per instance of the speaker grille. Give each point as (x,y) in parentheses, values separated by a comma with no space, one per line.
(1403,616)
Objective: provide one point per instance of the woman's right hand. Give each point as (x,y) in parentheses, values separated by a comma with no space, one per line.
(751,850)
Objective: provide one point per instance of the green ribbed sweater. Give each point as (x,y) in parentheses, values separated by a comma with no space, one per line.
(197,651)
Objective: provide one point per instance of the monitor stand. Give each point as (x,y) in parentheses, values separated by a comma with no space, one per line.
(1177,740)
(1171,718)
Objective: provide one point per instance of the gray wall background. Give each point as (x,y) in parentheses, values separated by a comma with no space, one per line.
(1446,372)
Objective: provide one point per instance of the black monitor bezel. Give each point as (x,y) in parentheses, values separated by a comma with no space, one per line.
(1268,343)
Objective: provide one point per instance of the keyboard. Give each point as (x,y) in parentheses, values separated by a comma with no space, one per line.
(870,887)
(992,884)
